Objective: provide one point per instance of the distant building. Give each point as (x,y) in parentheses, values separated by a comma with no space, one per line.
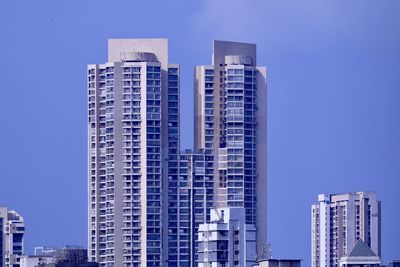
(12,231)
(227,240)
(360,256)
(45,251)
(278,263)
(35,261)
(69,256)
(339,221)
(394,263)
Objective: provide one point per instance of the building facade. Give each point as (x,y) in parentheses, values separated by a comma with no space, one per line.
(133,131)
(339,221)
(192,208)
(188,208)
(12,229)
(230,127)
(227,240)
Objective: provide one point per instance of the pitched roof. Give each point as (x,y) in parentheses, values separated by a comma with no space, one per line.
(361,250)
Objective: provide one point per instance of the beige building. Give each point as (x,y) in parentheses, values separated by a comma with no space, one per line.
(230,121)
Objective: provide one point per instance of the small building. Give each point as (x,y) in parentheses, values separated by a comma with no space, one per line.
(278,263)
(69,256)
(35,261)
(227,240)
(45,251)
(360,256)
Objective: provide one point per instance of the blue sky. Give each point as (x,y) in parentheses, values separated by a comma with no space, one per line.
(333,102)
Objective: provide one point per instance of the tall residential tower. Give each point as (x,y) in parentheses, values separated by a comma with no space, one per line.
(133,134)
(230,127)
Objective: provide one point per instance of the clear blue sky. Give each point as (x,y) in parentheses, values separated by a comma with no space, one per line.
(333,102)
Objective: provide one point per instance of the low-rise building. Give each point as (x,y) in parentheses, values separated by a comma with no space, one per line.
(278,263)
(360,256)
(69,256)
(35,261)
(45,251)
(227,240)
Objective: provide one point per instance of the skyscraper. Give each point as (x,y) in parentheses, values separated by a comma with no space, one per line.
(339,221)
(133,134)
(146,199)
(230,127)
(12,229)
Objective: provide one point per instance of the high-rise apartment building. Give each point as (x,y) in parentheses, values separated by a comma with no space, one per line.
(226,240)
(230,127)
(12,229)
(339,221)
(133,135)
(146,199)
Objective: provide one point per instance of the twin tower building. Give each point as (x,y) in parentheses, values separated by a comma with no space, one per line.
(151,204)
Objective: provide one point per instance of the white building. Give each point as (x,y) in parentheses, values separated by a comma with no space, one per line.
(227,240)
(12,231)
(45,251)
(35,261)
(339,221)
